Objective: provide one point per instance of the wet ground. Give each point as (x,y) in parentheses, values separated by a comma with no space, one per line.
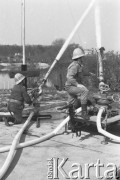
(31,163)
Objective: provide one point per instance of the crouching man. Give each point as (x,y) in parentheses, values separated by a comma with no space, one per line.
(17,99)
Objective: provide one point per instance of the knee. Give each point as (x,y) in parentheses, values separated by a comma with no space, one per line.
(84,95)
(87,91)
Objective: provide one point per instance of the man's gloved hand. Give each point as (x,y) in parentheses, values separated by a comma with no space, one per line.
(36,103)
(31,93)
(34,94)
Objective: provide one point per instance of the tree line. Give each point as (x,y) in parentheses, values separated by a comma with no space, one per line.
(47,54)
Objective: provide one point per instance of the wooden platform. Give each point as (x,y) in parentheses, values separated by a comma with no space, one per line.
(5,114)
(93,119)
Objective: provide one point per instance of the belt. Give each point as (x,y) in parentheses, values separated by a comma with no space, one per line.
(15,101)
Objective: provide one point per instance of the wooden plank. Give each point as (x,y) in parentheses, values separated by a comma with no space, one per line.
(5,114)
(94,118)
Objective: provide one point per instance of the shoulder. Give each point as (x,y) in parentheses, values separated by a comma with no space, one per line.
(15,87)
(23,89)
(73,65)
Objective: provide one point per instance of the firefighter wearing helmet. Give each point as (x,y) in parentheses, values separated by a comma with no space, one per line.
(17,98)
(77,92)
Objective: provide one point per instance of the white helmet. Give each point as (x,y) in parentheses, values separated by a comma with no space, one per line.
(77,53)
(19,78)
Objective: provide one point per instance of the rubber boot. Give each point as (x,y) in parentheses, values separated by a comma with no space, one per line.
(84,114)
(6,121)
(11,119)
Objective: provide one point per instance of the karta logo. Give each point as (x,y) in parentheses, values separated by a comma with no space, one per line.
(58,167)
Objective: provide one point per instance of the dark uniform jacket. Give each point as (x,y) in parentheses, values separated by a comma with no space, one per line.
(75,74)
(19,93)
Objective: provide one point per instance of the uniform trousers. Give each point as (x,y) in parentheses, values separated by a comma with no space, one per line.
(77,95)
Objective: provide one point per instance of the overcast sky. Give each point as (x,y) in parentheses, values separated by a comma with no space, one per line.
(48,20)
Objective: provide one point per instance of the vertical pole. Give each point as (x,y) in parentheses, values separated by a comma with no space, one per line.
(24,68)
(101,77)
(21,20)
(23,28)
(24,65)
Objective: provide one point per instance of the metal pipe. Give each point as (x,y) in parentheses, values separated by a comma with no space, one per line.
(41,139)
(99,127)
(15,142)
(23,29)
(98,40)
(67,42)
(101,78)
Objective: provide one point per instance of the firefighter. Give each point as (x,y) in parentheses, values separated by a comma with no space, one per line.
(17,99)
(77,92)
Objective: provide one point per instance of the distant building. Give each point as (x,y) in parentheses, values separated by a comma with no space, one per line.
(15,58)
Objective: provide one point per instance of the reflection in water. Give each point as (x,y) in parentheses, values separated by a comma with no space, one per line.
(5,81)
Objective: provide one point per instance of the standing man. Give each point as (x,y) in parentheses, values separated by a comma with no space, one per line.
(18,97)
(78,93)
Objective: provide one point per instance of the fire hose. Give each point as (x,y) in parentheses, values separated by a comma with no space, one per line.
(13,146)
(41,139)
(16,146)
(101,130)
(10,156)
